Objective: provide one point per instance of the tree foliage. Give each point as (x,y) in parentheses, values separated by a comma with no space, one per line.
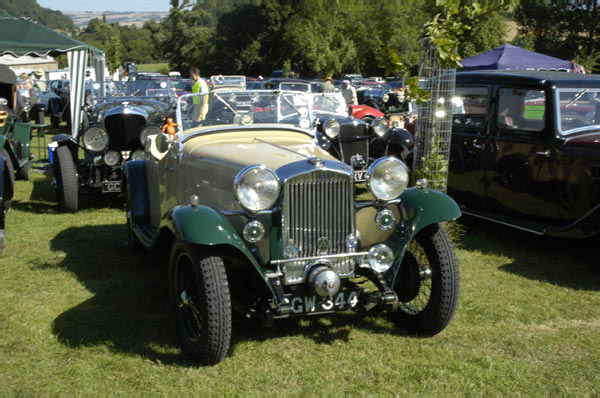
(44,16)
(567,30)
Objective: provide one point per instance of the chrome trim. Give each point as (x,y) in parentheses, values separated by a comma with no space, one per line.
(376,203)
(372,168)
(318,205)
(246,169)
(315,258)
(247,212)
(295,169)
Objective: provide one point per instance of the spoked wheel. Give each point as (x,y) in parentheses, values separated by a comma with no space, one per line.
(427,284)
(200,298)
(66,180)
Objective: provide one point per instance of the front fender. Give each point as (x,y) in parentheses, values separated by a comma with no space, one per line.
(202,225)
(418,209)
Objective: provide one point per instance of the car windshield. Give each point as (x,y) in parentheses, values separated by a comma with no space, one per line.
(329,104)
(578,109)
(245,108)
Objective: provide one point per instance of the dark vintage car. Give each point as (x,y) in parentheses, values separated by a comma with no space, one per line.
(385,99)
(15,137)
(525,150)
(353,141)
(113,131)
(263,222)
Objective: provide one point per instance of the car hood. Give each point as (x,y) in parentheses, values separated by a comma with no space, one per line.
(273,148)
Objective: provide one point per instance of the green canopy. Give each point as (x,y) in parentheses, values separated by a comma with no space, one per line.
(21,36)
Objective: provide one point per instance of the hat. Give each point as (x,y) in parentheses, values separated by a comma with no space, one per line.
(346,81)
(329,78)
(39,73)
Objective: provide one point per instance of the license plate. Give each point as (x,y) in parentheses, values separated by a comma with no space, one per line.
(111,186)
(360,175)
(344,300)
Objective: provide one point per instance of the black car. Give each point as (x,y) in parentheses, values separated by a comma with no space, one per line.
(354,141)
(385,99)
(525,150)
(113,131)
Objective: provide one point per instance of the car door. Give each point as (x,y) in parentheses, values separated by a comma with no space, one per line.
(468,158)
(521,177)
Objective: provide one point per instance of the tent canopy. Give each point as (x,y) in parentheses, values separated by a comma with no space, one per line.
(21,36)
(508,56)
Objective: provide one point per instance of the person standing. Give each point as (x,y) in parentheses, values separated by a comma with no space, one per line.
(349,93)
(327,86)
(200,102)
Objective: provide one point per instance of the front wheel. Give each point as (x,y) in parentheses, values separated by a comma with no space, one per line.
(66,180)
(201,302)
(427,284)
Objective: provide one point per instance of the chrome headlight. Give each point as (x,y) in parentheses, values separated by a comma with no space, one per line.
(380,126)
(111,158)
(256,187)
(332,128)
(95,139)
(387,178)
(385,98)
(147,132)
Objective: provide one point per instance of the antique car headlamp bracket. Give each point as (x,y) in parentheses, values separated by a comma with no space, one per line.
(256,188)
(387,178)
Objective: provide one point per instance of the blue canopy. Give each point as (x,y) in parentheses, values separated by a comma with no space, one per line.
(507,56)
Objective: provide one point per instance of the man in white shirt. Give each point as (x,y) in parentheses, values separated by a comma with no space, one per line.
(349,93)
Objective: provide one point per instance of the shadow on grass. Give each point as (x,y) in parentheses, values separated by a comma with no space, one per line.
(563,262)
(43,198)
(129,312)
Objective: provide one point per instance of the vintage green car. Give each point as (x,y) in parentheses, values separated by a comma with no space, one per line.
(262,221)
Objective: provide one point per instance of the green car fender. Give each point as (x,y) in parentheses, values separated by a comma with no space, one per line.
(418,209)
(203,225)
(2,140)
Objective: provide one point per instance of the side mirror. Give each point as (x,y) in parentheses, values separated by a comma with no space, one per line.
(162,143)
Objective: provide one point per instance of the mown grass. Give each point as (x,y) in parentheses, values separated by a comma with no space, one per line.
(82,313)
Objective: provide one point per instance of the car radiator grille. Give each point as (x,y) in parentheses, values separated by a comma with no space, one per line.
(318,215)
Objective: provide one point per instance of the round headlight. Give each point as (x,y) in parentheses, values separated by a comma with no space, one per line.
(386,97)
(387,178)
(95,139)
(304,123)
(381,258)
(332,128)
(380,126)
(111,158)
(138,154)
(147,132)
(256,188)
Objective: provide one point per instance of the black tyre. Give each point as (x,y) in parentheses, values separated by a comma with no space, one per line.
(10,171)
(24,172)
(427,284)
(201,302)
(66,180)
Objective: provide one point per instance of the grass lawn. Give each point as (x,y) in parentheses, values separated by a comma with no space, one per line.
(80,312)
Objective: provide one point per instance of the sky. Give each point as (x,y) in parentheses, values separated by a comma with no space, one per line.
(106,5)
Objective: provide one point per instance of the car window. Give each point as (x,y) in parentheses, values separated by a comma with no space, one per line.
(577,109)
(469,108)
(245,108)
(521,109)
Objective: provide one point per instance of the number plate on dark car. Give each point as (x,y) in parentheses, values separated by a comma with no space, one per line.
(344,300)
(111,186)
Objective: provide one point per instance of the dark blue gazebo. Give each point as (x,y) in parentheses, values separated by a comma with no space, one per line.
(508,56)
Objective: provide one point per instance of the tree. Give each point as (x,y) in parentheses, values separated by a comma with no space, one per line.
(562,29)
(113,51)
